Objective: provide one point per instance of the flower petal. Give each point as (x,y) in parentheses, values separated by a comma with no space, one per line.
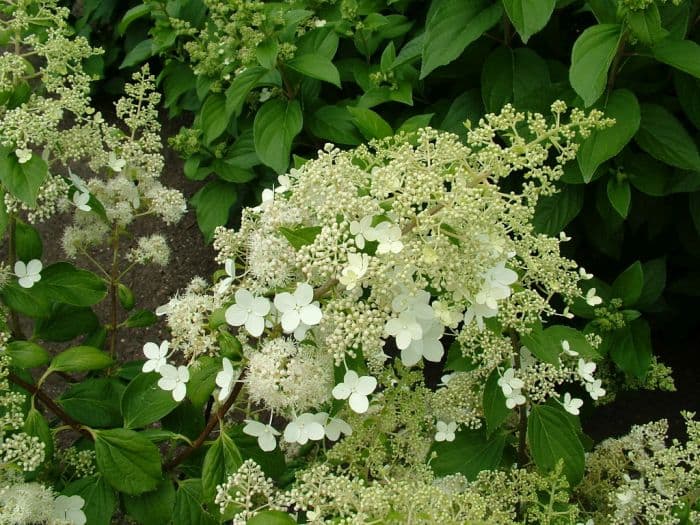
(179,392)
(290,320)
(311,314)
(254,428)
(151,350)
(235,315)
(341,391)
(244,297)
(285,301)
(261,306)
(255,325)
(267,442)
(304,294)
(359,403)
(366,385)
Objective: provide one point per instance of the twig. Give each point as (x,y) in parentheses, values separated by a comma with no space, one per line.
(213,420)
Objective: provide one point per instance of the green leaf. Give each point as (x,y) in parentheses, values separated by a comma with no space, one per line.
(22,180)
(546,344)
(64,283)
(654,282)
(494,402)
(190,508)
(687,88)
(315,66)
(630,348)
(517,76)
(139,53)
(100,499)
(553,213)
(529,16)
(213,117)
(664,137)
(152,508)
(646,25)
(591,57)
(370,124)
(26,301)
(604,144)
(66,322)
(451,26)
(237,93)
(25,354)
(28,242)
(228,170)
(415,123)
(127,460)
(276,124)
(467,106)
(552,438)
(335,124)
(470,453)
(35,424)
(202,380)
(266,53)
(300,237)
(213,202)
(222,460)
(141,319)
(619,195)
(683,55)
(94,402)
(126,296)
(80,359)
(144,402)
(271,517)
(132,14)
(272,463)
(628,285)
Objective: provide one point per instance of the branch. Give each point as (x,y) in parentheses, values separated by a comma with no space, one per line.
(49,404)
(213,420)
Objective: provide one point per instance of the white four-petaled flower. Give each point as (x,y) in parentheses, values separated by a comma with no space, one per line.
(572,404)
(355,389)
(29,273)
(566,348)
(297,308)
(363,231)
(405,329)
(352,274)
(304,428)
(157,356)
(23,155)
(80,200)
(445,431)
(265,434)
(389,236)
(585,370)
(508,382)
(116,164)
(69,509)
(249,311)
(428,347)
(230,269)
(595,390)
(226,378)
(174,379)
(592,299)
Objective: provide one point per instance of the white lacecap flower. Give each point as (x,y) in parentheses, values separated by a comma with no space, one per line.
(28,273)
(363,231)
(496,286)
(23,155)
(335,427)
(352,274)
(584,275)
(226,378)
(248,311)
(77,182)
(265,434)
(405,329)
(80,200)
(592,299)
(479,312)
(175,380)
(417,304)
(115,163)
(297,308)
(585,370)
(448,316)
(69,509)
(230,269)
(563,237)
(508,382)
(389,237)
(428,347)
(157,356)
(515,398)
(572,404)
(355,389)
(284,184)
(304,428)
(566,348)
(595,389)
(445,431)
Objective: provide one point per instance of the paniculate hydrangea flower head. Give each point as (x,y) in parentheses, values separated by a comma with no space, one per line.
(248,311)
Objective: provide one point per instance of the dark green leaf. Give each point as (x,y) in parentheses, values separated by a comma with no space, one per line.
(213,203)
(619,195)
(415,123)
(555,212)
(22,180)
(552,438)
(335,124)
(214,118)
(272,463)
(654,282)
(80,359)
(628,285)
(35,424)
(26,301)
(144,402)
(591,57)
(94,402)
(66,322)
(370,124)
(132,14)
(529,16)
(687,89)
(229,170)
(140,319)
(630,348)
(28,242)
(126,296)
(222,459)
(152,508)
(645,25)
(470,453)
(495,409)
(25,354)
(202,380)
(300,237)
(128,461)
(271,517)
(664,137)
(237,93)
(266,53)
(467,106)
(683,55)
(315,66)
(604,144)
(139,53)
(451,26)
(100,499)
(190,508)
(276,124)
(64,283)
